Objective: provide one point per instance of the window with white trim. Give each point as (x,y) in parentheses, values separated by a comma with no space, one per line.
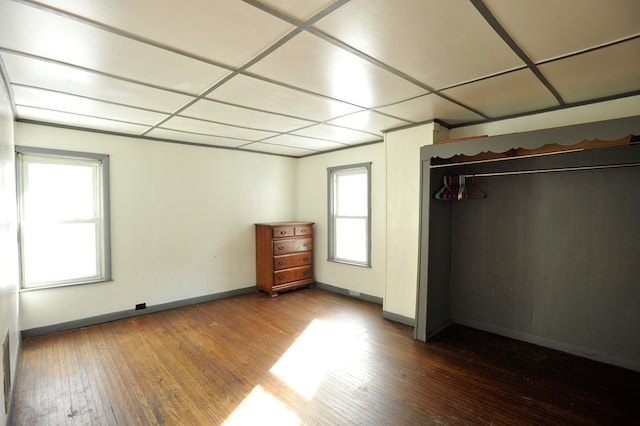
(63,200)
(349,189)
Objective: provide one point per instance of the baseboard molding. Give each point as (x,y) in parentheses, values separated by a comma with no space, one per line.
(350,293)
(411,322)
(14,384)
(114,316)
(443,324)
(366,297)
(629,364)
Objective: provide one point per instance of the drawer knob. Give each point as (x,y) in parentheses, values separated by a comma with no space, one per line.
(305,258)
(283,232)
(281,277)
(280,247)
(281,262)
(306,273)
(303,230)
(305,245)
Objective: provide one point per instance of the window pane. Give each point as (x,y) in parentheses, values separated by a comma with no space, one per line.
(59,252)
(351,239)
(352,194)
(59,192)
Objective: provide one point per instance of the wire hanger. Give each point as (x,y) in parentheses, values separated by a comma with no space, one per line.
(475,192)
(449,190)
(455,188)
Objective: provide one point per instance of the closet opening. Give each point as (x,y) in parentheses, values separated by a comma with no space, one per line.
(536,239)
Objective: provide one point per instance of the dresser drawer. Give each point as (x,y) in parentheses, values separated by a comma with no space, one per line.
(303,230)
(291,246)
(283,231)
(292,260)
(288,275)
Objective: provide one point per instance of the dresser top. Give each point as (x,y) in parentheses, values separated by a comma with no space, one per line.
(284,223)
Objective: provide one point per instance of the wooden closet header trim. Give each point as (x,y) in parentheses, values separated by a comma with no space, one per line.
(540,142)
(516,153)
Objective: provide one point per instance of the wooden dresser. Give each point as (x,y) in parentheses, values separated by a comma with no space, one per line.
(284,256)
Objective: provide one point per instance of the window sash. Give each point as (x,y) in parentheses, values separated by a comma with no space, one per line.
(351,240)
(63,245)
(350,244)
(47,264)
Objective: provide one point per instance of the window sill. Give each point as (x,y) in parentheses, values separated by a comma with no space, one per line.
(55,286)
(346,262)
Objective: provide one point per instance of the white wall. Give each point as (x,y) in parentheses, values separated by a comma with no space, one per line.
(312,206)
(9,275)
(403,215)
(182,222)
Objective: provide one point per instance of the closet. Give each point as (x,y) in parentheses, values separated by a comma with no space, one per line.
(536,236)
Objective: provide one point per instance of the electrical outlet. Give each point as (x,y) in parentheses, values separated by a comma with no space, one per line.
(141,306)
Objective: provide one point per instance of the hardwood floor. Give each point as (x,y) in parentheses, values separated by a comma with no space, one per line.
(306,357)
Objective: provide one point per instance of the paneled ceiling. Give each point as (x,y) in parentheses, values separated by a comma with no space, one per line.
(294,78)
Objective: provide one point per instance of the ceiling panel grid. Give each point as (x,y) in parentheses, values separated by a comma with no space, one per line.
(295,78)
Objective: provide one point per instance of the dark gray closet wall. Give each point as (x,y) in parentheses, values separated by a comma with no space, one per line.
(552,258)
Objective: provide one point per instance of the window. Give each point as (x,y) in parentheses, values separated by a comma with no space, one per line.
(349,213)
(63,202)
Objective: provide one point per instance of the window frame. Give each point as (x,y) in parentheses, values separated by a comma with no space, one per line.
(104,223)
(331,173)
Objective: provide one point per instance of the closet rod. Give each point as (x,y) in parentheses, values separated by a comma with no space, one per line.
(560,169)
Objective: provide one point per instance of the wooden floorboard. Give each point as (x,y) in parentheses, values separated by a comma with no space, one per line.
(307,357)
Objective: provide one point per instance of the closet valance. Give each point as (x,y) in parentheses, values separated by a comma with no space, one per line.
(584,136)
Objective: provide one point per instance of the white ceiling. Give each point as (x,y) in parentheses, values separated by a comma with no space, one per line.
(293,77)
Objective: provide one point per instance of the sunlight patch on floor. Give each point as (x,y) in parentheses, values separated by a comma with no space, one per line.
(321,347)
(262,408)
